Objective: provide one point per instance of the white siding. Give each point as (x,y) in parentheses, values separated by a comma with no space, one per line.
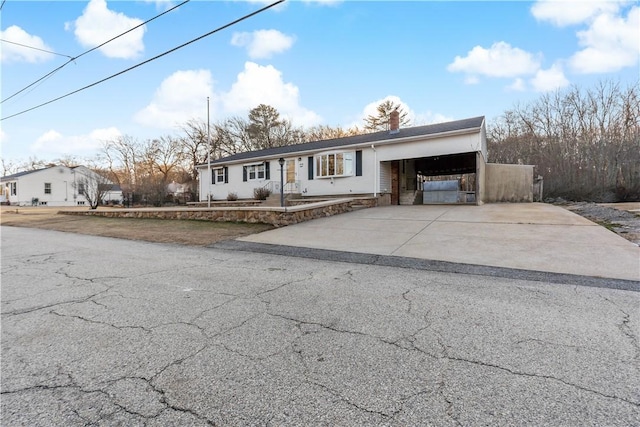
(467,143)
(385,177)
(63,180)
(376,168)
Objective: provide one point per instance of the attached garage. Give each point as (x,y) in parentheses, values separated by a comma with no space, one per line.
(439,163)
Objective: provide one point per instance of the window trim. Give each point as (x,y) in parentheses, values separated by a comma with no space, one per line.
(47,188)
(224,176)
(328,160)
(257,169)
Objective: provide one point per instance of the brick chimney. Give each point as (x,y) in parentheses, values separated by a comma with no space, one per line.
(394,121)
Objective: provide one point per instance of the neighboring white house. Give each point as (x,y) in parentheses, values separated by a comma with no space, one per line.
(391,165)
(54,186)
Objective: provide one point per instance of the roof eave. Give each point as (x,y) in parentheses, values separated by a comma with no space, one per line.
(389,141)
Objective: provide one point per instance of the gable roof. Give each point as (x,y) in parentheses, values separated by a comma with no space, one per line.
(438,128)
(23,173)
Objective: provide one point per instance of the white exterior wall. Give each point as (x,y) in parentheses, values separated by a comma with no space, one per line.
(244,190)
(343,185)
(455,144)
(376,169)
(384,183)
(316,187)
(63,188)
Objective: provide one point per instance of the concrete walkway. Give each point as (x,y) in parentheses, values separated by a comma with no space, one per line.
(531,236)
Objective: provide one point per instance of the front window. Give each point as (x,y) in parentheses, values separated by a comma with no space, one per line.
(81,189)
(14,188)
(334,164)
(47,188)
(218,176)
(255,172)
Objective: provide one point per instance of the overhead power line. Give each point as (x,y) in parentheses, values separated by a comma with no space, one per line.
(49,74)
(36,48)
(150,59)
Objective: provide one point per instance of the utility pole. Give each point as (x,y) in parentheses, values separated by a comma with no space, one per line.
(209,178)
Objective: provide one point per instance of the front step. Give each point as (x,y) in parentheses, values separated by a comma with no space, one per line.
(408,197)
(274,199)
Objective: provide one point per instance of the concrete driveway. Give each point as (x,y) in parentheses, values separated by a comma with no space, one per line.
(531,236)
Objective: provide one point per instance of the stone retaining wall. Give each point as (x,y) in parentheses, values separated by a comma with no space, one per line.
(268,215)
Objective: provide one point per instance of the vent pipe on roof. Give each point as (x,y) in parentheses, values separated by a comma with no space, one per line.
(394,122)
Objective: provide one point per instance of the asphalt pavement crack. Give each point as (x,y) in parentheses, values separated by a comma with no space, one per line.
(351,403)
(172,406)
(291,282)
(450,408)
(546,377)
(97,322)
(406,298)
(624,327)
(203,312)
(43,307)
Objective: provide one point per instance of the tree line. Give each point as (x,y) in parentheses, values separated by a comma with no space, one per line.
(584,143)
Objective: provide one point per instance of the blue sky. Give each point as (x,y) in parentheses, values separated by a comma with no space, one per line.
(317,62)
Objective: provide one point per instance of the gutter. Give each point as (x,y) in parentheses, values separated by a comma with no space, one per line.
(375,170)
(343,147)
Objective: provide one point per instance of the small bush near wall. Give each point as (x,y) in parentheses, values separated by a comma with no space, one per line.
(232,197)
(261,193)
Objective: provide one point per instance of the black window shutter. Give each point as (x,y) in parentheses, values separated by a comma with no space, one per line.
(244,173)
(310,167)
(267,175)
(359,163)
(226,175)
(213,176)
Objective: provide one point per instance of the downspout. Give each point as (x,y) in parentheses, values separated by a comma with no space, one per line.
(375,171)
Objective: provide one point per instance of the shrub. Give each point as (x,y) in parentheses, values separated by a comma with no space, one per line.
(232,197)
(261,193)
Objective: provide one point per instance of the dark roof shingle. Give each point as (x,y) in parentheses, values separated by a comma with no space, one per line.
(458,125)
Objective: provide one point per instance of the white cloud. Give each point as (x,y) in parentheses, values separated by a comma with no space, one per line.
(471,80)
(53,142)
(258,84)
(610,43)
(13,53)
(263,43)
(263,3)
(99,24)
(323,2)
(571,12)
(549,80)
(430,118)
(518,85)
(371,108)
(162,4)
(500,60)
(181,97)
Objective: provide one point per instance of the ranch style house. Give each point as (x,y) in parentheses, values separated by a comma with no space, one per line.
(438,163)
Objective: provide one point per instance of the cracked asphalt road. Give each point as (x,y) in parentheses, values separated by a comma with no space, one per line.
(105,332)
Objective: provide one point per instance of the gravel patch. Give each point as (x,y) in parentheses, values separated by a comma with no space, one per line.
(623,222)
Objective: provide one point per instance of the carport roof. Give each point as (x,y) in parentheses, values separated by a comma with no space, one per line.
(438,128)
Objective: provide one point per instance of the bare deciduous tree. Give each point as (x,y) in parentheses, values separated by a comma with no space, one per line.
(586,143)
(322,132)
(92,184)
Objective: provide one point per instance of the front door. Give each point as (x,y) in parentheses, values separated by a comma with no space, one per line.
(291,178)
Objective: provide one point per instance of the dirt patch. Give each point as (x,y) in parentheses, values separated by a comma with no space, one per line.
(623,218)
(186,232)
